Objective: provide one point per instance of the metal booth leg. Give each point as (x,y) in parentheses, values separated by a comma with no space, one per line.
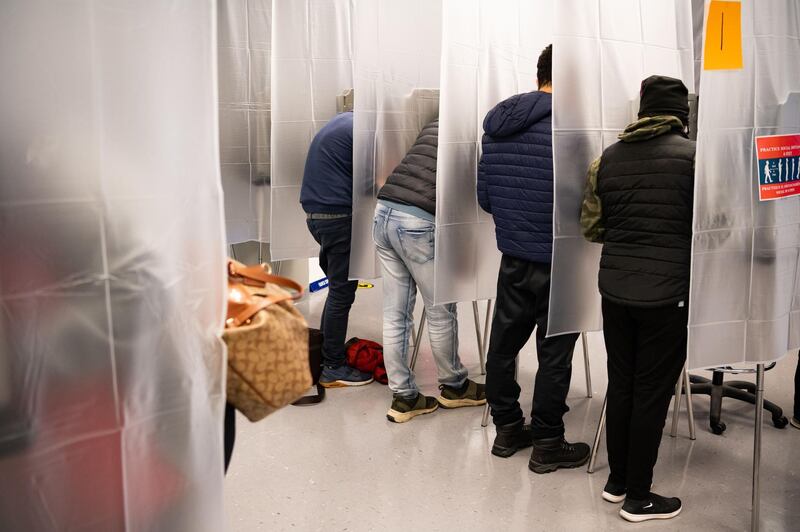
(477,316)
(418,338)
(598,436)
(586,365)
(485,419)
(687,386)
(677,404)
(683,385)
(756,515)
(486,324)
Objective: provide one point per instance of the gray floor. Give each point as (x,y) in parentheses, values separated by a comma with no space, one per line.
(341,465)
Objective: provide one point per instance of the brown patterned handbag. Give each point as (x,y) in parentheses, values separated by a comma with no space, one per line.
(267,341)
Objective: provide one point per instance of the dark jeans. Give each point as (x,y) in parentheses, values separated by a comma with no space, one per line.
(646,352)
(333,236)
(797,389)
(230,433)
(523,293)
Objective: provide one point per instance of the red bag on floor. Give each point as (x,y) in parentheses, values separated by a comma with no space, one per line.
(367,356)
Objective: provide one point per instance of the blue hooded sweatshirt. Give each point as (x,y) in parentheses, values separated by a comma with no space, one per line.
(515,175)
(328,178)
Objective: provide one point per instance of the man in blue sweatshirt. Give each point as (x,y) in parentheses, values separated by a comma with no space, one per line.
(515,185)
(327,199)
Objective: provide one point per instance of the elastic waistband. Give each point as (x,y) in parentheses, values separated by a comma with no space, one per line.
(326,216)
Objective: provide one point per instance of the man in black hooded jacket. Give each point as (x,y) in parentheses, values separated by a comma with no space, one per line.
(638,203)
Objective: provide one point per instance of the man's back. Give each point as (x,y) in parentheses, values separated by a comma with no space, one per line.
(328,178)
(645,184)
(515,175)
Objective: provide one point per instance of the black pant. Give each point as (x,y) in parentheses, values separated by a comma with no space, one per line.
(333,236)
(230,433)
(646,352)
(797,389)
(523,293)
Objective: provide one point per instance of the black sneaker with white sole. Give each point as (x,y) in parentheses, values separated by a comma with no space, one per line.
(653,507)
(405,408)
(614,492)
(795,422)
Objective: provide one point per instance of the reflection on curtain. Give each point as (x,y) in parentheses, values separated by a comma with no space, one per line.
(601,53)
(311,66)
(396,67)
(112,273)
(489,52)
(243,62)
(745,300)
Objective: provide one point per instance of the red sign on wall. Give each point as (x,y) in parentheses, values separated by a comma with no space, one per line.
(778,166)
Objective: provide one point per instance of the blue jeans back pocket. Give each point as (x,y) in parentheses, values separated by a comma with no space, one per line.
(417,244)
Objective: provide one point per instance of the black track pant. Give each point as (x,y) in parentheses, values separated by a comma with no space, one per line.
(523,294)
(646,352)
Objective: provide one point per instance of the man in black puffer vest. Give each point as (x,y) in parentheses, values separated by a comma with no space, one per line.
(404,237)
(638,203)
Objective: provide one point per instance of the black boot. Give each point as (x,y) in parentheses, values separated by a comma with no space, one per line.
(552,453)
(511,438)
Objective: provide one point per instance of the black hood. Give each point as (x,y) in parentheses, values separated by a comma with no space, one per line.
(664,96)
(518,113)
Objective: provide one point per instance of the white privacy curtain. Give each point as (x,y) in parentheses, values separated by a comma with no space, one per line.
(243,58)
(311,66)
(112,290)
(489,52)
(397,58)
(601,53)
(745,298)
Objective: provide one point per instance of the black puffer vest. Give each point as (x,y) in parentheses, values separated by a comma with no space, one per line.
(646,190)
(413,182)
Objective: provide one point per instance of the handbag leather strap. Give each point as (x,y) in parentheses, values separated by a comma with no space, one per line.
(250,310)
(259,275)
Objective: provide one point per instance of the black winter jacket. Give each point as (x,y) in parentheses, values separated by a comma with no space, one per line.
(413,182)
(515,175)
(646,187)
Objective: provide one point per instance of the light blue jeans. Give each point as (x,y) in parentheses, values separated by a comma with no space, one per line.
(406,247)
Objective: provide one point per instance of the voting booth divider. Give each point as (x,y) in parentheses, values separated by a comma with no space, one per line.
(489,53)
(112,281)
(602,52)
(312,52)
(396,80)
(244,32)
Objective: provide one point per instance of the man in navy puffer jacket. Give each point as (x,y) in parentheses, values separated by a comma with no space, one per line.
(515,185)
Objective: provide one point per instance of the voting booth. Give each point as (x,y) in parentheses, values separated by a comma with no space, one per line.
(243,63)
(745,304)
(311,65)
(396,64)
(485,59)
(599,61)
(112,281)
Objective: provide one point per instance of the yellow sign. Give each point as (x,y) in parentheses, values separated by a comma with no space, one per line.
(723,46)
(364,284)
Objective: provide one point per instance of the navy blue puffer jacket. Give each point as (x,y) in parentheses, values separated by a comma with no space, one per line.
(515,175)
